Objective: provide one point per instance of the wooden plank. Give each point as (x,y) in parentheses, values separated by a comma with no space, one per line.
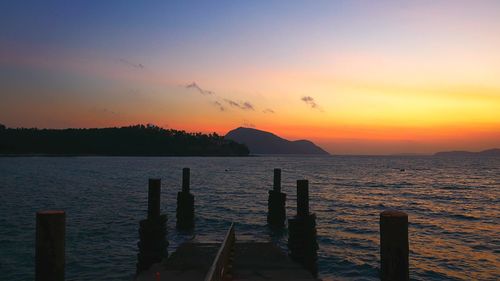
(265,261)
(190,262)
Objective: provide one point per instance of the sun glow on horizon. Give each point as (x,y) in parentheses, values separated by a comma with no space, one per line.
(355,78)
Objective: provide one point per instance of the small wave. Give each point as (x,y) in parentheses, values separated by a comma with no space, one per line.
(460,187)
(465,217)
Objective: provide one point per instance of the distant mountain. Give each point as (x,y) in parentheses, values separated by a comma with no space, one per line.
(490,152)
(262,142)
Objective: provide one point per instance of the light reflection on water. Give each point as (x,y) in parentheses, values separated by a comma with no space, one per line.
(453,207)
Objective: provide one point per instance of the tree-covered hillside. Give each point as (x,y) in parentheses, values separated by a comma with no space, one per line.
(136,140)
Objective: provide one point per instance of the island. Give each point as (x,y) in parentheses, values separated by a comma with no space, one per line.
(494,152)
(137,140)
(262,142)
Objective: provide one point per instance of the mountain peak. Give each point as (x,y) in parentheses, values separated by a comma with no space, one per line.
(262,142)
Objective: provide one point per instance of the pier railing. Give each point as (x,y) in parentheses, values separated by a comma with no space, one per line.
(220,265)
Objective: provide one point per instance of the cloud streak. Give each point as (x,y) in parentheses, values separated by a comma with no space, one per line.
(202,91)
(268,110)
(311,102)
(219,105)
(132,64)
(223,104)
(241,105)
(103,111)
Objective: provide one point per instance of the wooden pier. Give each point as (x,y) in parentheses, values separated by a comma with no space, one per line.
(229,260)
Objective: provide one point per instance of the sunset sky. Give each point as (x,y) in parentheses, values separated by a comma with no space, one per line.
(356,77)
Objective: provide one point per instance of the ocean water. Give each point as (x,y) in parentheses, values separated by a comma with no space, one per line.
(453,206)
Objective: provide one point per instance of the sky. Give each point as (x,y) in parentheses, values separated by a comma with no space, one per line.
(355,77)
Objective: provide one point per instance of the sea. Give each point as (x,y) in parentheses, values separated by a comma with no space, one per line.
(453,204)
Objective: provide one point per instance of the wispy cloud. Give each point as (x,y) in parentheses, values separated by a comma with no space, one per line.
(202,91)
(219,105)
(241,105)
(132,64)
(223,104)
(97,110)
(247,105)
(232,103)
(311,102)
(268,110)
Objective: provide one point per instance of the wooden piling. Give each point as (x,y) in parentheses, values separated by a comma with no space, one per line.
(185,203)
(276,204)
(185,179)
(302,198)
(50,245)
(277,180)
(152,231)
(302,243)
(154,193)
(394,246)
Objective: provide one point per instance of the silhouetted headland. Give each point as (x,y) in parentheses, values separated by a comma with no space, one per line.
(262,142)
(138,140)
(494,152)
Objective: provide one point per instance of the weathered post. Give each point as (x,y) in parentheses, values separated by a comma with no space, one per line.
(152,231)
(50,245)
(277,180)
(394,246)
(302,242)
(185,203)
(154,194)
(185,179)
(302,198)
(276,214)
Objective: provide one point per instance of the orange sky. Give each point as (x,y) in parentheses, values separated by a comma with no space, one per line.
(356,79)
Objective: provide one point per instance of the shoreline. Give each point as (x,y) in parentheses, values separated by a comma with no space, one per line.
(112,155)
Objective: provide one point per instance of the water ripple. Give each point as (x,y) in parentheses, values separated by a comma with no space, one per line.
(453,207)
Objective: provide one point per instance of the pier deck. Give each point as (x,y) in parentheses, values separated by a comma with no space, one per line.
(252,261)
(190,262)
(265,261)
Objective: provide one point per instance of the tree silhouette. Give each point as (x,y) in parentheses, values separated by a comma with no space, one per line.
(145,140)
